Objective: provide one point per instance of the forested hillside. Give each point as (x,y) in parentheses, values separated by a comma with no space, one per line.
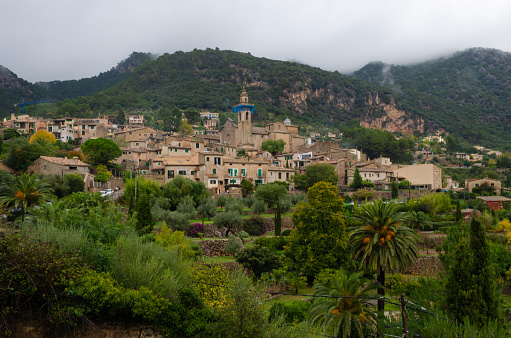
(13,89)
(468,94)
(213,79)
(88,86)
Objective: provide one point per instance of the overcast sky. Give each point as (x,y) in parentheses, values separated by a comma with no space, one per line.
(71,39)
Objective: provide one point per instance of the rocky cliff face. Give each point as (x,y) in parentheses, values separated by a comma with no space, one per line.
(9,82)
(394,120)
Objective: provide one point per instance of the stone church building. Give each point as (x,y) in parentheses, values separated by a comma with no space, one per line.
(243,136)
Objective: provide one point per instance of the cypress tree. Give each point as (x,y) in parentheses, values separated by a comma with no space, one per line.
(357,180)
(471,286)
(145,222)
(278,220)
(395,191)
(459,216)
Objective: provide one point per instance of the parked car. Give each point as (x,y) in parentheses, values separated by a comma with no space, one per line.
(109,192)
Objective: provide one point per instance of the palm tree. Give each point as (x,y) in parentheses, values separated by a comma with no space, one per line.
(383,242)
(28,190)
(340,316)
(418,220)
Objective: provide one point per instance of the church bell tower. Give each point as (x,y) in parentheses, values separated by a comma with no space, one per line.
(244,129)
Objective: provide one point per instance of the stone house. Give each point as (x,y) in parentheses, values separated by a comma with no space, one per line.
(495,202)
(428,176)
(470,184)
(62,166)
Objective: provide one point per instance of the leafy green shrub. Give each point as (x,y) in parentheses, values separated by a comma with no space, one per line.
(228,219)
(178,221)
(258,259)
(274,243)
(243,234)
(174,239)
(293,312)
(399,285)
(258,207)
(136,263)
(286,232)
(234,204)
(36,274)
(208,210)
(286,204)
(233,245)
(186,207)
(249,201)
(102,295)
(254,225)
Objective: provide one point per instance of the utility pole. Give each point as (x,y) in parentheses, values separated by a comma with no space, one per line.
(403,316)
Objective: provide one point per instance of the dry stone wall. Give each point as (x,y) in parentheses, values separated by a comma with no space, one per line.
(211,230)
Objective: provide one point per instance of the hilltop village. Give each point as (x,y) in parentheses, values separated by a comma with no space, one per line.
(221,159)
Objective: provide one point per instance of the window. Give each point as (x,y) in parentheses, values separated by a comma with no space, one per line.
(83,132)
(186,150)
(222,149)
(212,181)
(182,172)
(170,174)
(196,145)
(259,172)
(235,172)
(259,181)
(91,127)
(45,167)
(73,168)
(243,172)
(214,171)
(287,176)
(280,176)
(229,171)
(207,159)
(83,127)
(136,144)
(217,161)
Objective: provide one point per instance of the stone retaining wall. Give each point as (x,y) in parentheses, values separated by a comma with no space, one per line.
(213,247)
(211,230)
(425,266)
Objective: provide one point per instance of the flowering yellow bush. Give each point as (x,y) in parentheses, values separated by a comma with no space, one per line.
(213,296)
(506,226)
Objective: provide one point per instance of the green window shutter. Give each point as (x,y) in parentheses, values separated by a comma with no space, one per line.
(196,145)
(214,171)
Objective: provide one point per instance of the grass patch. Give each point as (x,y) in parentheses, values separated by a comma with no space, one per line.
(219,259)
(291,298)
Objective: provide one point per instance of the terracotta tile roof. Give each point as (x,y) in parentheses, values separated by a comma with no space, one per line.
(494,198)
(64,161)
(177,160)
